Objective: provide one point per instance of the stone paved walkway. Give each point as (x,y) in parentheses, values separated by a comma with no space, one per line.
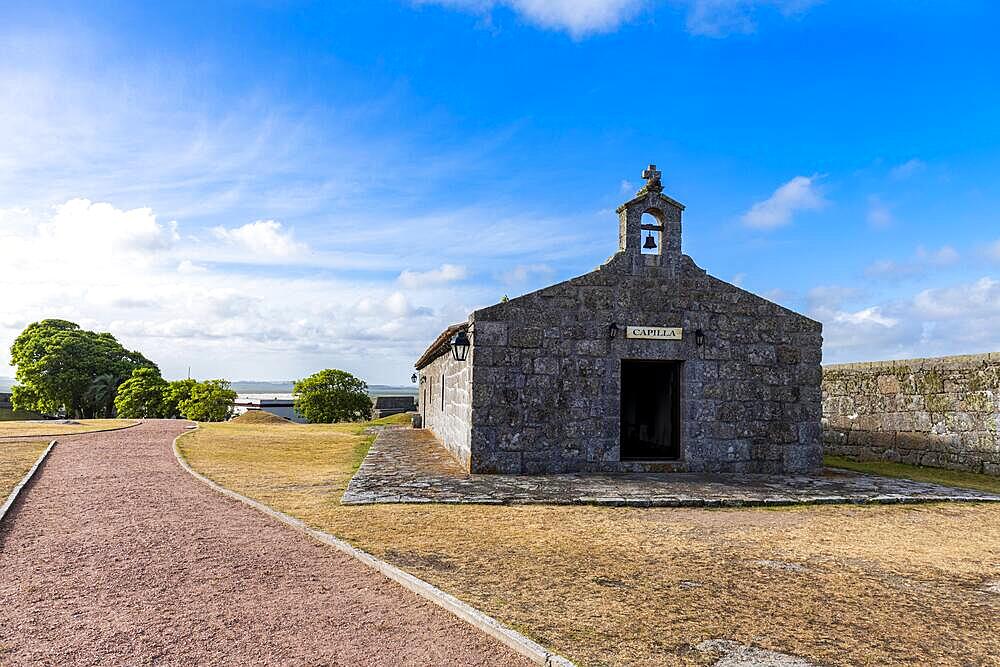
(410,466)
(117,556)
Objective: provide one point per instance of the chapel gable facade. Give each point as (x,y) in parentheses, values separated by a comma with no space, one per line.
(645,364)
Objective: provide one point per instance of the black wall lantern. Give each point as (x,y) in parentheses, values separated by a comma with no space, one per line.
(612,331)
(699,337)
(460,346)
(413,378)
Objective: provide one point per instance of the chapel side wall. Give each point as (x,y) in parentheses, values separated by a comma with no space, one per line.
(548,379)
(449,418)
(942,412)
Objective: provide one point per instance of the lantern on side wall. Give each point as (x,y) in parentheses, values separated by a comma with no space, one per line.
(460,346)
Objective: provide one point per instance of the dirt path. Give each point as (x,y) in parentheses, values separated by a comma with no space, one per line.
(117,556)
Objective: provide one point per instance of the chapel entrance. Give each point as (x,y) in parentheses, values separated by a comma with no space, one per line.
(650,410)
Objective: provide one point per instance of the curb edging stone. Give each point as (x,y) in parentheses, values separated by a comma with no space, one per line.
(357,500)
(9,503)
(483,622)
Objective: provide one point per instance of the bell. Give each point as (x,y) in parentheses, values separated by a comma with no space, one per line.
(650,242)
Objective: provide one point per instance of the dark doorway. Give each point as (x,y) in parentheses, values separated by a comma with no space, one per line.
(651,406)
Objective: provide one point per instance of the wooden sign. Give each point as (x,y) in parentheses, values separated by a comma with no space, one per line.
(654,333)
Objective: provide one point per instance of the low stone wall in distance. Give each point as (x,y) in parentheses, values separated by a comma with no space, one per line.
(941,412)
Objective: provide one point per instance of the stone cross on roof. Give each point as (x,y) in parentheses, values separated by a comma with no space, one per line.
(652,176)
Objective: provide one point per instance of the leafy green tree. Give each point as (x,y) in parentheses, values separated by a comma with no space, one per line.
(332,396)
(101,394)
(210,401)
(22,395)
(176,393)
(57,363)
(141,396)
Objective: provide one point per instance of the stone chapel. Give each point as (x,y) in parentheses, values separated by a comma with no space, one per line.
(646,364)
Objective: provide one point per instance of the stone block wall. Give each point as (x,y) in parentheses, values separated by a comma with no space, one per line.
(448,413)
(546,395)
(941,412)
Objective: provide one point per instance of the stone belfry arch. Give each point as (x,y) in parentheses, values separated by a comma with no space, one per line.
(667,213)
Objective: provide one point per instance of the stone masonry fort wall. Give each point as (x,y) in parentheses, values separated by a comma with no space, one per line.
(445,403)
(941,412)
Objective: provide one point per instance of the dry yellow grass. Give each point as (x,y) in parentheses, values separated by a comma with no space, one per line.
(886,585)
(30,429)
(259,417)
(16,458)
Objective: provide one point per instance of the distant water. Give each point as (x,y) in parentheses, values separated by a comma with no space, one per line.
(376,390)
(255,389)
(280,397)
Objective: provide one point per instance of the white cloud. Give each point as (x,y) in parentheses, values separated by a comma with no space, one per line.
(397,304)
(862,335)
(580,18)
(976,300)
(447,273)
(719,18)
(799,194)
(907,169)
(99,228)
(577,17)
(118,270)
(80,241)
(187,266)
(923,262)
(943,256)
(523,273)
(163,133)
(14,218)
(956,319)
(829,297)
(879,213)
(866,317)
(149,141)
(993,251)
(263,238)
(887,267)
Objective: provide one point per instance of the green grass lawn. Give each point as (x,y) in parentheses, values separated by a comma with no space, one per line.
(958,478)
(9,415)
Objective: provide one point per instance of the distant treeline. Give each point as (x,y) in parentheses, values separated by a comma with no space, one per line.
(63,370)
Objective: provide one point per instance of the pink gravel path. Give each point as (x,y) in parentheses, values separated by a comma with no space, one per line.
(115,555)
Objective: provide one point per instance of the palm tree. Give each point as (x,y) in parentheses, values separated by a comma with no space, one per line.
(101,394)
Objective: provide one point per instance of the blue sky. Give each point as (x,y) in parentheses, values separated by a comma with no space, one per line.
(260,190)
